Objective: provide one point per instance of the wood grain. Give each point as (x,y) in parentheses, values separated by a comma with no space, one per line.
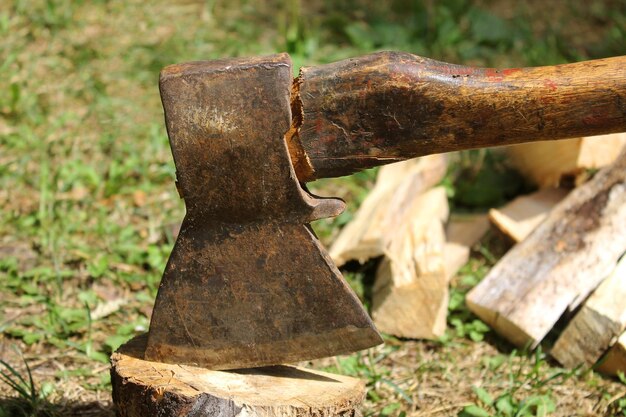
(391,106)
(560,263)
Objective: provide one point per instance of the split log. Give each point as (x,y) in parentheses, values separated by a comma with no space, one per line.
(544,163)
(454,257)
(461,234)
(145,388)
(410,294)
(521,216)
(466,230)
(600,321)
(560,263)
(615,360)
(385,208)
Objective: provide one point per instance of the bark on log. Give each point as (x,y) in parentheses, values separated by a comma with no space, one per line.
(560,263)
(144,388)
(598,324)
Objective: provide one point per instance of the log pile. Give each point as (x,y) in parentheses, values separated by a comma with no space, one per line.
(567,266)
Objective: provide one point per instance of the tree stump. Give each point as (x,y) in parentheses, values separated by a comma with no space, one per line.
(145,388)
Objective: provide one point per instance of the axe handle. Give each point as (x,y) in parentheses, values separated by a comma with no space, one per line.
(390,106)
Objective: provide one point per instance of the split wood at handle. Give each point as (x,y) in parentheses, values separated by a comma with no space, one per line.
(390,106)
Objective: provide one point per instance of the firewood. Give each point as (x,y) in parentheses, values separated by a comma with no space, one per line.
(454,257)
(145,388)
(544,163)
(410,294)
(384,209)
(560,263)
(461,234)
(521,216)
(601,319)
(615,360)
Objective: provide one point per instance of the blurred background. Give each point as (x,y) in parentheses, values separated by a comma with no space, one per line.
(89,210)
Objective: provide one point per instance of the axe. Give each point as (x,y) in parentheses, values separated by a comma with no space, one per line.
(248,284)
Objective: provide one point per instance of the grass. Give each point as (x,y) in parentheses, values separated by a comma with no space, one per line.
(29,400)
(89,207)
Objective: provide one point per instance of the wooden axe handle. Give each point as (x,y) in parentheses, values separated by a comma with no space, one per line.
(390,106)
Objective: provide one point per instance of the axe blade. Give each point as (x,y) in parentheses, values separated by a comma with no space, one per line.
(247,284)
(262,294)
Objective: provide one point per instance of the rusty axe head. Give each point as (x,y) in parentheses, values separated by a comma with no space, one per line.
(248,283)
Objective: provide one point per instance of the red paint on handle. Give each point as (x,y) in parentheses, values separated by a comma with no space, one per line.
(508,71)
(550,84)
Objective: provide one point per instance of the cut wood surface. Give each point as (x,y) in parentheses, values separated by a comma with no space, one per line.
(615,359)
(462,232)
(521,216)
(544,163)
(144,388)
(560,263)
(410,294)
(385,208)
(598,323)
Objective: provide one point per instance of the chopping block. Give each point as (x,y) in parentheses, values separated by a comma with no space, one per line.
(144,388)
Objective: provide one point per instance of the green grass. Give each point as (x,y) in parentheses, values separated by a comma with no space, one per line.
(28,399)
(89,206)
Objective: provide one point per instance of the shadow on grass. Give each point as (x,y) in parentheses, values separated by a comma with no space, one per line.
(20,407)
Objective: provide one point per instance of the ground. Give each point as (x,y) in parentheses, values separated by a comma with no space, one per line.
(90,210)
